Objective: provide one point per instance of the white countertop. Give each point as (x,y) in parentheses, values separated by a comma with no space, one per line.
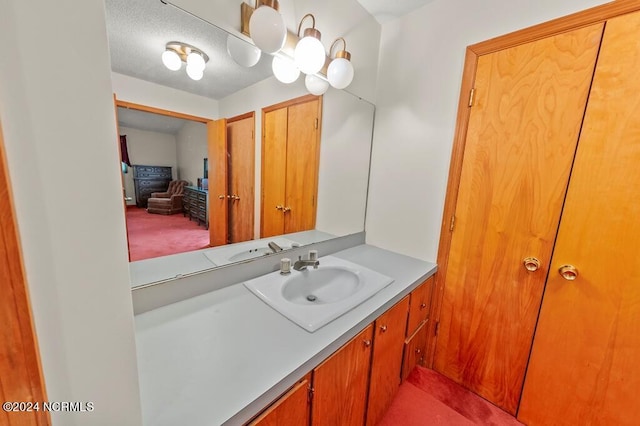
(222,356)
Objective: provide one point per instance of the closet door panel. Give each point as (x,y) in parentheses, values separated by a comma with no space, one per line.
(303,148)
(584,365)
(274,166)
(241,178)
(521,139)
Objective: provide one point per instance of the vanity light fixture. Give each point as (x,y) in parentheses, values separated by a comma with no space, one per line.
(315,84)
(267,27)
(309,54)
(284,69)
(340,71)
(243,53)
(293,54)
(177,52)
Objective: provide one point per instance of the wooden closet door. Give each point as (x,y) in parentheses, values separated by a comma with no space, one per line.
(274,164)
(241,145)
(218,202)
(584,368)
(521,139)
(303,152)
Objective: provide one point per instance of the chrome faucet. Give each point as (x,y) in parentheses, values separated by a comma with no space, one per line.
(274,247)
(301,264)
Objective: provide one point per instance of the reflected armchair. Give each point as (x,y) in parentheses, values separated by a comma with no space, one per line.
(169,202)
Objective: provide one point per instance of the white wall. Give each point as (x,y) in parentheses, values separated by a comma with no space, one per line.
(148,149)
(421,60)
(68,201)
(191,144)
(142,92)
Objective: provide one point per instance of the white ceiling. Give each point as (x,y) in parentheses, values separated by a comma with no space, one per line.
(138,31)
(387,10)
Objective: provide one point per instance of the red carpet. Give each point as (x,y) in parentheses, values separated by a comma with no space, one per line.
(154,235)
(429,398)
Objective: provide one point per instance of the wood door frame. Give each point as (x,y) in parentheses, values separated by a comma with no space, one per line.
(567,23)
(168,113)
(20,331)
(270,108)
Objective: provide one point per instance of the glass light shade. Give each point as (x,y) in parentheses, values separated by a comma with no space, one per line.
(194,73)
(309,55)
(171,60)
(284,70)
(340,73)
(242,53)
(195,61)
(316,85)
(267,29)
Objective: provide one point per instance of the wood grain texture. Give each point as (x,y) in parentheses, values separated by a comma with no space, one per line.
(303,158)
(140,107)
(386,361)
(547,29)
(20,373)
(419,306)
(340,384)
(584,365)
(218,184)
(414,350)
(274,166)
(241,147)
(521,138)
(290,409)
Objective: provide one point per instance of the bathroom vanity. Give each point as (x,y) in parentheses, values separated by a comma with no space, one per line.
(225,356)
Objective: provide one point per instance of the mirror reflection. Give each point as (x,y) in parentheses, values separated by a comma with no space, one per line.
(283,167)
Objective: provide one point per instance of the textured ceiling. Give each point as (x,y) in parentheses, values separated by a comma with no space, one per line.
(138,31)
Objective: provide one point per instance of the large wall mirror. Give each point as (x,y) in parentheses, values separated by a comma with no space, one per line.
(270,179)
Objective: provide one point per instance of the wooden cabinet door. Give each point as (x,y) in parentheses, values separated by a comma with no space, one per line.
(291,409)
(241,147)
(584,365)
(419,305)
(340,384)
(414,350)
(218,207)
(386,362)
(521,139)
(274,166)
(303,152)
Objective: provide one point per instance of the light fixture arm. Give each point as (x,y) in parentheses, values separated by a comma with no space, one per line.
(341,53)
(313,24)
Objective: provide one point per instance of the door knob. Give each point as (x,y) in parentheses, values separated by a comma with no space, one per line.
(531,264)
(235,197)
(221,197)
(383,328)
(367,343)
(279,207)
(286,209)
(568,272)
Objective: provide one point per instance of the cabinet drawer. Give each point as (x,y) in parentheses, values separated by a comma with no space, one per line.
(419,305)
(414,350)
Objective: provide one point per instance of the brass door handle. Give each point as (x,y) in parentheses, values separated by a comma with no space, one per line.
(422,306)
(235,197)
(531,264)
(279,207)
(568,272)
(222,197)
(367,343)
(383,328)
(286,209)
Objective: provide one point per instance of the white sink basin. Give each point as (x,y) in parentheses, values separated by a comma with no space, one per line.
(314,297)
(244,251)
